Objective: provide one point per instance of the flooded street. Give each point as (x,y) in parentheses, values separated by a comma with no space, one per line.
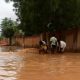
(9,66)
(28,64)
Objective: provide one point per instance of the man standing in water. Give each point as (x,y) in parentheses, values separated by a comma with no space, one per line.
(43,46)
(53,41)
(61,45)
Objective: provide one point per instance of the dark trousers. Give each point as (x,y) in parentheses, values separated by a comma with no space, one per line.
(53,48)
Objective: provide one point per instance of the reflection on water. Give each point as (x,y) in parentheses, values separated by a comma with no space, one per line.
(9,66)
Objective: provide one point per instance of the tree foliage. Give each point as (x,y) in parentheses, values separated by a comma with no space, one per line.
(34,15)
(9,27)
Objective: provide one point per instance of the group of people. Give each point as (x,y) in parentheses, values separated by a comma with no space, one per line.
(56,45)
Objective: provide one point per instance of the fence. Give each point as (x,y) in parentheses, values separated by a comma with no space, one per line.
(72,38)
(32,41)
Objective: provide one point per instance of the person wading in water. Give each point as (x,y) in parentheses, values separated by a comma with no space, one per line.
(53,41)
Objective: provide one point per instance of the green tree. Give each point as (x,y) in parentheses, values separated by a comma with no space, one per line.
(8,28)
(34,15)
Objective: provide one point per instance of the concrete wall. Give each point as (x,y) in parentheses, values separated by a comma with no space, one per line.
(32,41)
(72,40)
(69,41)
(78,40)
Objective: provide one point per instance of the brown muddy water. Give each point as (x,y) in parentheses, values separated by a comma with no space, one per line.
(28,64)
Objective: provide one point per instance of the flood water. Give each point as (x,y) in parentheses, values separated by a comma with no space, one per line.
(30,65)
(9,48)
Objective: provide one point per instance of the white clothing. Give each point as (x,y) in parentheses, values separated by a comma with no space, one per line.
(62,45)
(44,43)
(53,40)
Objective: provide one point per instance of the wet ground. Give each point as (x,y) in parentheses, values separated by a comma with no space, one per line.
(9,48)
(28,64)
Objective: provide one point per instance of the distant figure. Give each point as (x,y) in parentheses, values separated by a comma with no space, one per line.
(53,41)
(61,46)
(43,46)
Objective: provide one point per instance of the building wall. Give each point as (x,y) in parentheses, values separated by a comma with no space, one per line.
(32,41)
(78,40)
(72,40)
(69,40)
